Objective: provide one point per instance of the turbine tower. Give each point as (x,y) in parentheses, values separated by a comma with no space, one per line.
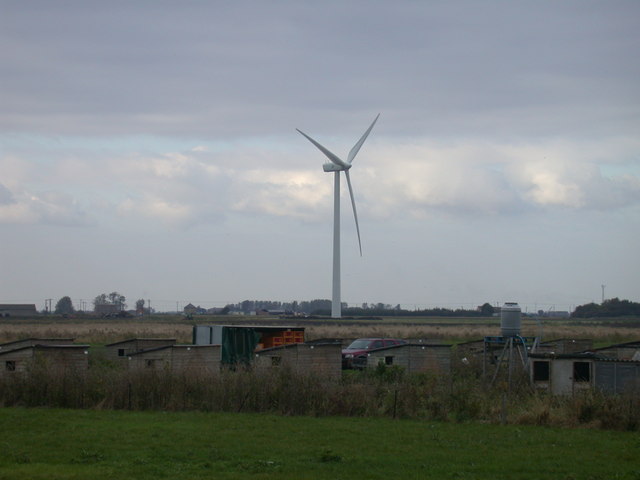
(337,165)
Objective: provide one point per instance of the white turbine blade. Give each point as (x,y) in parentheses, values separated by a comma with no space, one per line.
(356,148)
(332,156)
(353,203)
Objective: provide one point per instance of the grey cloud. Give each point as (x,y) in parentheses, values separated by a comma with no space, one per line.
(212,69)
(6,197)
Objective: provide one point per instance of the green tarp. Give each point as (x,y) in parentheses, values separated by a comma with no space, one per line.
(238,344)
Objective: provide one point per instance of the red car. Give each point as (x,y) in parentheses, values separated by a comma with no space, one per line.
(354,356)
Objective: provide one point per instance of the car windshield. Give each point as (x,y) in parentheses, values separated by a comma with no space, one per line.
(359,345)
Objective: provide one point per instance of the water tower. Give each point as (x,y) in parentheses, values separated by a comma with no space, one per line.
(509,344)
(510,314)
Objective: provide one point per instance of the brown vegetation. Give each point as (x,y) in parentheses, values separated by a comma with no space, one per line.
(386,392)
(449,331)
(463,396)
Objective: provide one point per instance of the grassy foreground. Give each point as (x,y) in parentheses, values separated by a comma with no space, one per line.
(66,444)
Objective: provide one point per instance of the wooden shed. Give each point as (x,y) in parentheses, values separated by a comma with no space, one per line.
(30,342)
(120,350)
(561,374)
(413,357)
(239,342)
(618,376)
(74,358)
(570,373)
(316,358)
(205,359)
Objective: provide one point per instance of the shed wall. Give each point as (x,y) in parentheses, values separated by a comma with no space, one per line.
(322,360)
(414,358)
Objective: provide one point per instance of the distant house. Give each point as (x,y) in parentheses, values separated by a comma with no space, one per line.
(17,309)
(63,358)
(556,314)
(191,309)
(199,359)
(315,358)
(217,310)
(106,309)
(413,357)
(30,342)
(273,313)
(122,349)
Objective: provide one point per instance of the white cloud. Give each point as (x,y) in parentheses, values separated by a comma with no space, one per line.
(170,214)
(391,178)
(47,207)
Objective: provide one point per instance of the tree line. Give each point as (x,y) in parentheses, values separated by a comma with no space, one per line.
(322,307)
(613,307)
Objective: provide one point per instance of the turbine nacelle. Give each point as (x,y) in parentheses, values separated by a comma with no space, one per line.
(332,167)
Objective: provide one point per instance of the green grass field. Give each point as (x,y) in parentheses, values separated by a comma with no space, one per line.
(87,444)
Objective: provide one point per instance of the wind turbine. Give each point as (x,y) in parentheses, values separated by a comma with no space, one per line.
(337,165)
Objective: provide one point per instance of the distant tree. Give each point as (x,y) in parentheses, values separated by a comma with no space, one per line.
(247,305)
(613,307)
(100,299)
(114,298)
(64,306)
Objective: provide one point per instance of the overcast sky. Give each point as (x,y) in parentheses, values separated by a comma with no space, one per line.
(150,148)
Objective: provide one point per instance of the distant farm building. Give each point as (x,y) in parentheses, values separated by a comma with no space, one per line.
(191,309)
(107,309)
(17,309)
(63,358)
(124,348)
(554,314)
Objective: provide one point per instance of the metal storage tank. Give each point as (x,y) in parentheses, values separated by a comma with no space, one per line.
(510,319)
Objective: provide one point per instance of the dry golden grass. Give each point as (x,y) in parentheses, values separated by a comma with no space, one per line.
(96,332)
(450,331)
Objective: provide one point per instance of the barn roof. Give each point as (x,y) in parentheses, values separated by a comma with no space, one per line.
(164,347)
(46,347)
(141,339)
(33,340)
(317,343)
(404,345)
(632,344)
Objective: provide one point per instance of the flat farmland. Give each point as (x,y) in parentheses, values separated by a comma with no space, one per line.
(441,329)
